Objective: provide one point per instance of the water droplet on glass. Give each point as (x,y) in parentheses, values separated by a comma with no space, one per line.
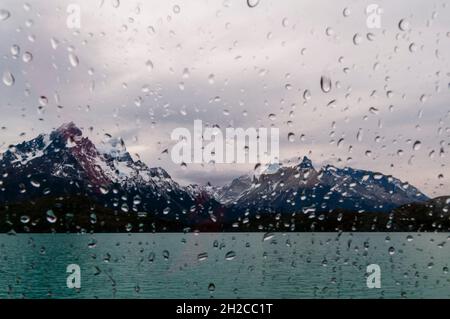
(166,254)
(115,3)
(291,137)
(252,3)
(27,57)
(357,39)
(149,65)
(268,236)
(325,84)
(8,78)
(230,255)
(35,183)
(176,9)
(4,14)
(211,79)
(416,145)
(403,25)
(15,50)
(54,42)
(329,31)
(412,47)
(51,217)
(202,256)
(24,219)
(43,101)
(346,12)
(73,59)
(307,95)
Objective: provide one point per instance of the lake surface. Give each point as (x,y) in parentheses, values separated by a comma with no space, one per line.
(238,265)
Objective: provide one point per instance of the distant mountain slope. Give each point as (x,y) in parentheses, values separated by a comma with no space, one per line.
(303,189)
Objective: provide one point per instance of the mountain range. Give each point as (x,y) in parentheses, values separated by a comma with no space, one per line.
(62,181)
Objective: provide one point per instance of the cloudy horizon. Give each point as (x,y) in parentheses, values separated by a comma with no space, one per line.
(139,69)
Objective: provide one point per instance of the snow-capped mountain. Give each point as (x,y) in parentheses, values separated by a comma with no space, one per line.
(66,172)
(302,188)
(65,162)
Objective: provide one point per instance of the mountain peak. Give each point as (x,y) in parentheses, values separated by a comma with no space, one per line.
(305,163)
(69,130)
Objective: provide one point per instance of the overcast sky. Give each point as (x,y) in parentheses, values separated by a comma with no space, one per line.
(147,67)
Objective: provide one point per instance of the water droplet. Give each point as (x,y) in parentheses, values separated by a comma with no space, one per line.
(359,135)
(166,254)
(230,255)
(24,219)
(211,79)
(211,287)
(15,50)
(202,256)
(329,31)
(43,101)
(124,208)
(35,183)
(8,78)
(268,236)
(391,251)
(252,3)
(149,65)
(4,14)
(27,57)
(73,59)
(115,3)
(374,110)
(54,42)
(346,12)
(104,190)
(357,39)
(307,95)
(291,137)
(403,25)
(412,47)
(325,84)
(417,145)
(51,217)
(176,9)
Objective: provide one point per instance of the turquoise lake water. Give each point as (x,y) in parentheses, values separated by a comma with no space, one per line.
(238,265)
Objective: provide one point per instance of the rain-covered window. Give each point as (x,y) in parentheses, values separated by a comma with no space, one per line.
(224,149)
